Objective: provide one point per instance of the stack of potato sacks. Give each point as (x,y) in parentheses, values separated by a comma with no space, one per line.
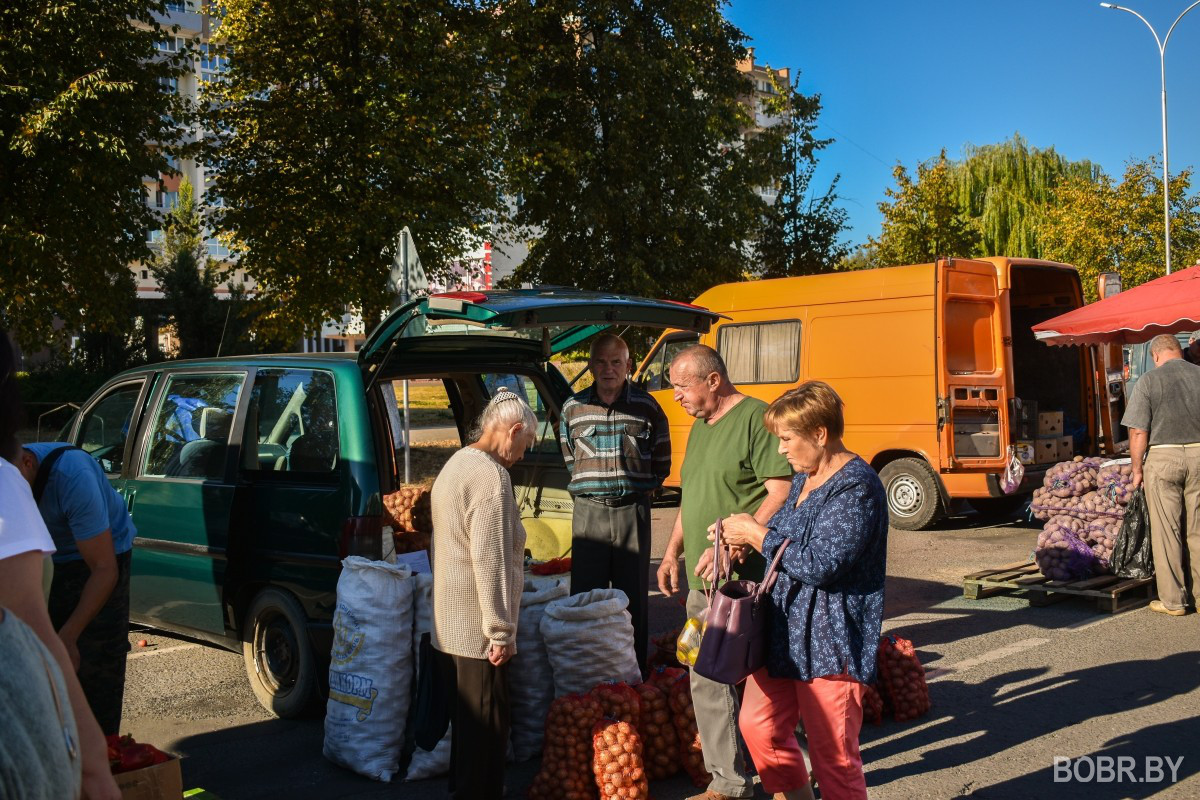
(409,513)
(1082,502)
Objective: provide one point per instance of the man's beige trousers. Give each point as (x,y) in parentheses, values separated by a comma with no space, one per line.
(1172,481)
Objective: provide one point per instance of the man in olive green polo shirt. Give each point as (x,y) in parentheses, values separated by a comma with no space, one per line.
(732,465)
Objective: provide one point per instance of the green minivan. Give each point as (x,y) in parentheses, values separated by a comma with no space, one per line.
(250,478)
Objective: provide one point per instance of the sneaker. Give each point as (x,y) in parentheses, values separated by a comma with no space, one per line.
(1156,605)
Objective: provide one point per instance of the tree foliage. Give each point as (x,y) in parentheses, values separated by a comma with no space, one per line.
(801,231)
(623,127)
(1104,225)
(922,219)
(80,105)
(338,123)
(1004,190)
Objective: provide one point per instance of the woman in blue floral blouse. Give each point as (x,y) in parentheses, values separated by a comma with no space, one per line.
(826,607)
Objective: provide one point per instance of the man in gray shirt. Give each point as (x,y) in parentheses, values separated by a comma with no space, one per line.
(1163,418)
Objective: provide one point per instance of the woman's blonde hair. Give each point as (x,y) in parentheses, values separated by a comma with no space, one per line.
(505,409)
(811,405)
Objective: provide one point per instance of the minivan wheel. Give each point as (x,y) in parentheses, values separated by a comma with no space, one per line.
(913,498)
(278,654)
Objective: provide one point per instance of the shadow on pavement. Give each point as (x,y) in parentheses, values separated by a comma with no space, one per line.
(995,715)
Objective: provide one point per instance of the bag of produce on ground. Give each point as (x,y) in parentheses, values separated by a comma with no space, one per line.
(684,719)
(1061,553)
(1101,536)
(589,638)
(902,678)
(371,667)
(566,771)
(664,654)
(1085,507)
(872,705)
(659,739)
(426,764)
(663,678)
(1131,556)
(1115,481)
(1072,478)
(617,761)
(618,701)
(531,681)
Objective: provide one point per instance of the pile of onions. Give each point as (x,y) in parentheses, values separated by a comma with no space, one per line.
(902,678)
(684,719)
(566,772)
(659,739)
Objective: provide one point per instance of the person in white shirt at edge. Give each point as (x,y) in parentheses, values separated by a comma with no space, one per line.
(52,746)
(478,556)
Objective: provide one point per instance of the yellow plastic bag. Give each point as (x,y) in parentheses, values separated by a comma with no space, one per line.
(687,646)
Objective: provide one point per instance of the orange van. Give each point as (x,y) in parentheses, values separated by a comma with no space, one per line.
(936,363)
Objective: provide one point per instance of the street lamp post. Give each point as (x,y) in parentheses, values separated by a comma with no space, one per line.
(1162,66)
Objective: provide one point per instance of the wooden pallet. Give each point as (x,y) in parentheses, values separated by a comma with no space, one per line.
(1112,593)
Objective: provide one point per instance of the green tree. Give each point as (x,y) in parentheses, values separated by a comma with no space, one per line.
(922,219)
(623,124)
(81,100)
(1005,189)
(801,230)
(338,123)
(1103,225)
(189,279)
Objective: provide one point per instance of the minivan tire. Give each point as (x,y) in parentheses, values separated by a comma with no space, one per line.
(914,497)
(278,654)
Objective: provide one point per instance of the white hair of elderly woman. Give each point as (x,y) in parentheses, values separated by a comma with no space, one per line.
(505,409)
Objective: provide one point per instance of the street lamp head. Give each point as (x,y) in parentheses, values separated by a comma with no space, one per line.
(1109,5)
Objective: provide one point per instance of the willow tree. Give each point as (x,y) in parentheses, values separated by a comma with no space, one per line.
(1005,189)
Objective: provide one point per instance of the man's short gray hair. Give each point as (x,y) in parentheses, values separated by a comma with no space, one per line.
(505,409)
(608,340)
(703,361)
(1195,337)
(1165,343)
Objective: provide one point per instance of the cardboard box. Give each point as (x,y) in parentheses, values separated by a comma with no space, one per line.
(158,782)
(1045,451)
(1050,424)
(1026,451)
(1066,448)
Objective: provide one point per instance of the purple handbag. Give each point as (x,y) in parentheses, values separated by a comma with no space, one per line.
(734,642)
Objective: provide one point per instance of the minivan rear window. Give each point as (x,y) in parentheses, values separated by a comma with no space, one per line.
(291,422)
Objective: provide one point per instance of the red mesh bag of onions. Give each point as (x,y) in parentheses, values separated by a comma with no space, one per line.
(617,761)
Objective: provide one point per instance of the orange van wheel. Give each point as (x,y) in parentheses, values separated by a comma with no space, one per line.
(913,495)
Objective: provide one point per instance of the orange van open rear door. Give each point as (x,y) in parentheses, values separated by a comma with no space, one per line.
(972,394)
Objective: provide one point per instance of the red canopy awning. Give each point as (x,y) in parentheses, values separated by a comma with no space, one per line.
(1169,304)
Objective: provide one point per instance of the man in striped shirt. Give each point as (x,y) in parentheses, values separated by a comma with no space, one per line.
(617,447)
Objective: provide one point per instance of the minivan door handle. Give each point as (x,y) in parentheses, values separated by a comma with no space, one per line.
(130,494)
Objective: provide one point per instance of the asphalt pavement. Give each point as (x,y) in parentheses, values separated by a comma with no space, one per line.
(1060,701)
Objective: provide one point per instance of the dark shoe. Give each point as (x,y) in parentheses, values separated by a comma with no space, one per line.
(1156,605)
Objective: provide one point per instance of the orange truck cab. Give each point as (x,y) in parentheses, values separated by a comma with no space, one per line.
(936,363)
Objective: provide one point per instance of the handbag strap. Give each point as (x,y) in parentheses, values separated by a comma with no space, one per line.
(768,581)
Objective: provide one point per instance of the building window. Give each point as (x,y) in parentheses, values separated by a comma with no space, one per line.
(166,200)
(212,63)
(172,44)
(168,85)
(154,237)
(177,6)
(145,274)
(761,352)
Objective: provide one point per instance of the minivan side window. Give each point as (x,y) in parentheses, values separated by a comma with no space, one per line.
(656,375)
(291,422)
(105,426)
(761,352)
(189,436)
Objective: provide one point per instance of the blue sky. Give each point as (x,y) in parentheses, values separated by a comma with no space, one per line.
(901,80)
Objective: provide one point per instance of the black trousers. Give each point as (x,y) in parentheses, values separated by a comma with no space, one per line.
(104,643)
(610,547)
(480,717)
